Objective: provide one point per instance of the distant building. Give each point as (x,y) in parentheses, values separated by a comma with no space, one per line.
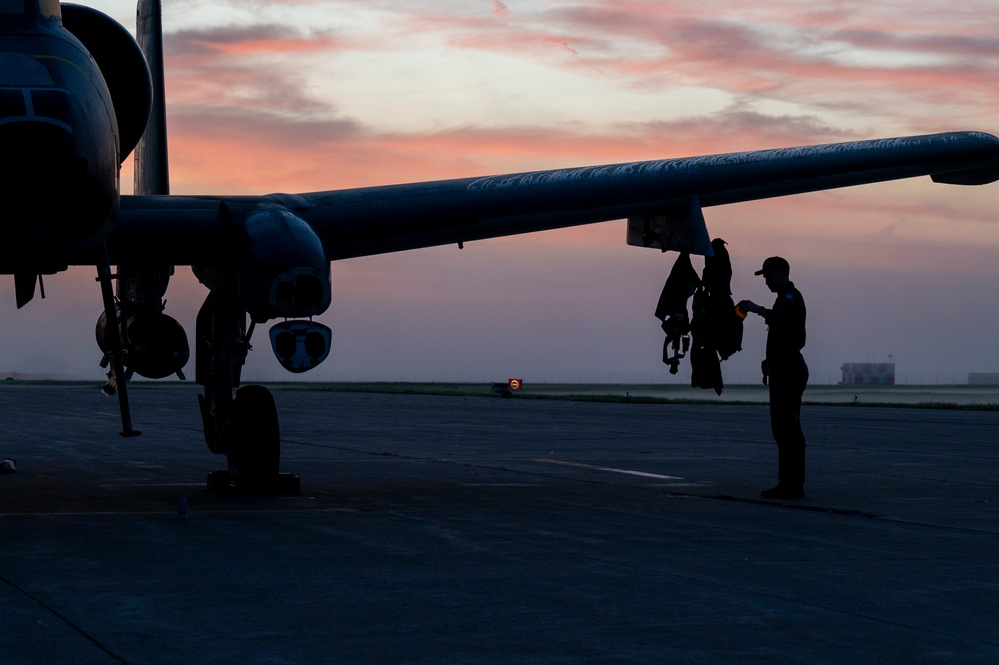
(877,374)
(984,378)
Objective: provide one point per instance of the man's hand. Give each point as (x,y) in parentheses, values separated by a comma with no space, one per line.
(750,306)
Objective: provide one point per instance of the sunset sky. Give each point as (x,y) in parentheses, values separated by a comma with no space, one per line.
(298,95)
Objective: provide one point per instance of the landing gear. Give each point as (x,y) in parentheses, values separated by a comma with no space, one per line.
(116,376)
(243,427)
(255,440)
(254,447)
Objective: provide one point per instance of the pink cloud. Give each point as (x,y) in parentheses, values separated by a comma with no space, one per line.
(232,40)
(683,45)
(790,53)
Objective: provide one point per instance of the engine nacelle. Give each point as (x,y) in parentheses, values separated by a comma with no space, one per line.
(285,272)
(122,65)
(156,345)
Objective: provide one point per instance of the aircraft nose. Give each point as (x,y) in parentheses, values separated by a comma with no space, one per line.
(12,104)
(36,134)
(43,189)
(41,153)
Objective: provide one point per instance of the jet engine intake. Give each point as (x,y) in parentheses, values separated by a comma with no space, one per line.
(301,345)
(155,345)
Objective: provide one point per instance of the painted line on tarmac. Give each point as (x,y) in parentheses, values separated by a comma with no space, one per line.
(627,472)
(109,483)
(500,485)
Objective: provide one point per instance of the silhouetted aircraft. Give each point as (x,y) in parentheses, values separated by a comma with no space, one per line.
(78,94)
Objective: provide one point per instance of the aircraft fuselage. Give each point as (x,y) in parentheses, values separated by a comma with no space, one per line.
(60,173)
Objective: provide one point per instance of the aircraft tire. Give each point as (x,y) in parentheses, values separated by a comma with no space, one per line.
(254,439)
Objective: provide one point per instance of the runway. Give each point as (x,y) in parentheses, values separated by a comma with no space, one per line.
(487,530)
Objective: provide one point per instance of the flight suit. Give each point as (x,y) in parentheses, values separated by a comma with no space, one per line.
(788,375)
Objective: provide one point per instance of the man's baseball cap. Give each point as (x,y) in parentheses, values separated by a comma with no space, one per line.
(772,265)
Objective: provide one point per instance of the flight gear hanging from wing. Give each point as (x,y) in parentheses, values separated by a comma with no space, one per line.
(715,327)
(672,310)
(705,368)
(724,324)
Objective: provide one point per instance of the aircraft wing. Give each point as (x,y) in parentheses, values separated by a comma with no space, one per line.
(374,220)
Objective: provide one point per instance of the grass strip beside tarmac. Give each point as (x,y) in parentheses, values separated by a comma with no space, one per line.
(981,398)
(984,398)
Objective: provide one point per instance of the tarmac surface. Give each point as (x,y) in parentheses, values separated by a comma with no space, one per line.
(488,530)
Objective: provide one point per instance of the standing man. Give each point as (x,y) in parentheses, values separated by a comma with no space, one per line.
(788,375)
